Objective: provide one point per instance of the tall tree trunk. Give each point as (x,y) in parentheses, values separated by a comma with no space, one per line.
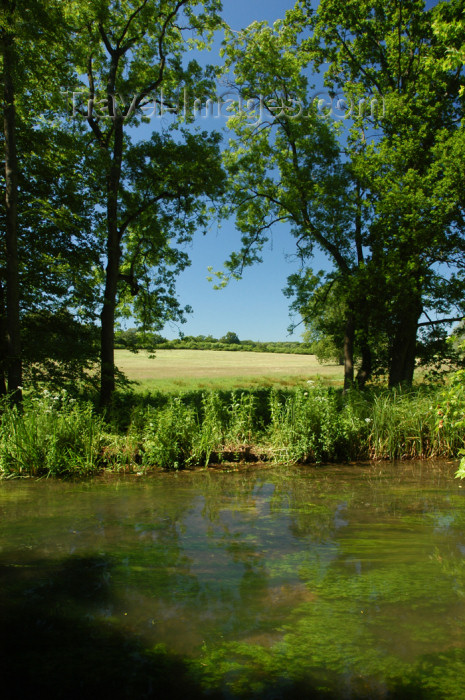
(13,363)
(349,335)
(364,373)
(404,345)
(3,343)
(107,316)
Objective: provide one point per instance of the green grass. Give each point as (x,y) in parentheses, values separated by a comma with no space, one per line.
(175,371)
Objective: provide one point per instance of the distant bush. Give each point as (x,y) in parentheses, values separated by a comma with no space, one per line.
(230,339)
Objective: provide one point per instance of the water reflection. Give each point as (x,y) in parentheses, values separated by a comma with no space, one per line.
(339,582)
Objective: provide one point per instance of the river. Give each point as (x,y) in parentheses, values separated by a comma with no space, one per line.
(331,582)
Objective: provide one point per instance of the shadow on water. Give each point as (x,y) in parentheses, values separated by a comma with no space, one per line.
(51,646)
(54,646)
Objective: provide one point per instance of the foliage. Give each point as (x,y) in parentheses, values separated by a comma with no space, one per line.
(379,192)
(55,251)
(93,239)
(59,435)
(388,52)
(323,309)
(168,436)
(133,339)
(156,193)
(230,339)
(316,426)
(56,435)
(284,162)
(59,351)
(181,434)
(450,418)
(402,425)
(449,30)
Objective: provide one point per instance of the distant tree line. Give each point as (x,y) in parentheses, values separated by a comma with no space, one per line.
(134,340)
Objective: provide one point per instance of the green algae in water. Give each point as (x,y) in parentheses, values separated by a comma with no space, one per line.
(335,582)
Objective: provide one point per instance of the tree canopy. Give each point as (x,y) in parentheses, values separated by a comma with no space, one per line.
(380,190)
(107,215)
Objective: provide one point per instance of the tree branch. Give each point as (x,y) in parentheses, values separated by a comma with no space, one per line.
(161,51)
(441,320)
(128,24)
(143,207)
(105,40)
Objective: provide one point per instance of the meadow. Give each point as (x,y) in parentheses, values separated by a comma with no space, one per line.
(188,370)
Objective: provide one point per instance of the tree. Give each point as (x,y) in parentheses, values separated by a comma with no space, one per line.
(45,256)
(323,311)
(11,327)
(230,338)
(286,166)
(388,51)
(449,30)
(382,197)
(153,193)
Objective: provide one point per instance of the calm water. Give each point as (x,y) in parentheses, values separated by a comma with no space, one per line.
(338,582)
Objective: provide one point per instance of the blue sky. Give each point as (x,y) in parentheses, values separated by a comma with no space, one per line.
(254,307)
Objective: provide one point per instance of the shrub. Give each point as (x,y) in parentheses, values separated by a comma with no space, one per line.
(402,425)
(450,419)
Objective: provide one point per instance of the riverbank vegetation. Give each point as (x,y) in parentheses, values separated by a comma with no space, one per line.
(59,435)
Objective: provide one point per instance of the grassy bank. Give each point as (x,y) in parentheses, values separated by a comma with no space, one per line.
(59,436)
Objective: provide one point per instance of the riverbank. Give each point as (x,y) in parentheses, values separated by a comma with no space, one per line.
(61,436)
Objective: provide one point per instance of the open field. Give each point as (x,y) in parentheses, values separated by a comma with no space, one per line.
(172,370)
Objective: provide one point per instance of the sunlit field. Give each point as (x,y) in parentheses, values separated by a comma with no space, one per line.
(172,370)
